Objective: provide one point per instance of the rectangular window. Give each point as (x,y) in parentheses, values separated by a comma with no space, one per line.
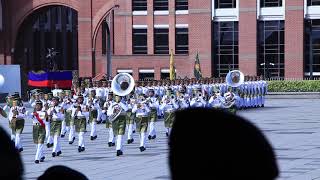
(271,49)
(161,41)
(182,41)
(225,47)
(160,5)
(139,5)
(312,32)
(313,2)
(139,41)
(270,3)
(225,4)
(146,76)
(181,5)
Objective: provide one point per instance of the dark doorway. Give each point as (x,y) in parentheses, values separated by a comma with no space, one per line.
(49,27)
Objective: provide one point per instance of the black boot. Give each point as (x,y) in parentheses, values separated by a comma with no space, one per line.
(109,144)
(53,154)
(21,149)
(83,149)
(42,159)
(149,137)
(79,149)
(119,153)
(91,138)
(113,144)
(58,153)
(142,149)
(48,145)
(153,137)
(167,134)
(36,161)
(71,142)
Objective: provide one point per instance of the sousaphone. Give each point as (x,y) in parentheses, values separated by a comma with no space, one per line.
(235,78)
(121,85)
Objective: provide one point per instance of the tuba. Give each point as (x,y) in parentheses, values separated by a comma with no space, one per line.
(235,78)
(228,101)
(121,85)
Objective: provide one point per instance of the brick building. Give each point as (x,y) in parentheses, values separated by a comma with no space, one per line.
(260,37)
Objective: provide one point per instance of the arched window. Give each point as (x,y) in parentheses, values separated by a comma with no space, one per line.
(1,23)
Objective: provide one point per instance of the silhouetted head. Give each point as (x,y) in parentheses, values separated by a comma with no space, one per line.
(61,172)
(218,145)
(11,165)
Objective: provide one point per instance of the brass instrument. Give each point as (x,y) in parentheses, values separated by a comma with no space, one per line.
(235,78)
(121,85)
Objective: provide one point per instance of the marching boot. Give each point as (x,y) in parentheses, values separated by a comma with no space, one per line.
(119,153)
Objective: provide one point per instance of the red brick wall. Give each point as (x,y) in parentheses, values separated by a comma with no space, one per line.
(294,28)
(248,37)
(199,20)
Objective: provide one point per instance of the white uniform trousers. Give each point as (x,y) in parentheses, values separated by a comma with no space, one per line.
(17,142)
(39,153)
(130,131)
(71,133)
(152,129)
(119,142)
(63,127)
(81,139)
(142,139)
(93,129)
(56,144)
(111,135)
(48,136)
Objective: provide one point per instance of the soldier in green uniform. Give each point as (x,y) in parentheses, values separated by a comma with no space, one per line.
(57,116)
(93,113)
(118,122)
(106,106)
(153,103)
(79,114)
(130,116)
(16,117)
(39,133)
(142,111)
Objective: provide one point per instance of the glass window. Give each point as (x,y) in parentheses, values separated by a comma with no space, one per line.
(313,2)
(225,4)
(270,3)
(146,76)
(271,49)
(182,41)
(160,5)
(161,41)
(165,75)
(181,5)
(225,45)
(139,41)
(312,32)
(139,5)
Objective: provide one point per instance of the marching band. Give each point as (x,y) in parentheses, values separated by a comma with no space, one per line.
(130,107)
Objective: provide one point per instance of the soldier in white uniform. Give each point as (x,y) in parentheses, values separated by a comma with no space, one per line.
(142,110)
(168,106)
(153,104)
(119,123)
(93,114)
(16,118)
(80,113)
(198,99)
(109,102)
(57,115)
(38,117)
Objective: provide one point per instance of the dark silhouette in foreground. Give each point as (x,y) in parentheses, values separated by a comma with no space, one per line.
(217,145)
(11,165)
(61,172)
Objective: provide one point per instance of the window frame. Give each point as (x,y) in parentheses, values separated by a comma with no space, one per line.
(135,48)
(157,45)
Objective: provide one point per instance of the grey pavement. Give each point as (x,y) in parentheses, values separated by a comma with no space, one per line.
(291,125)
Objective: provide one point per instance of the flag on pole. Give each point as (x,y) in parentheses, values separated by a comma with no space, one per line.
(172,68)
(197,68)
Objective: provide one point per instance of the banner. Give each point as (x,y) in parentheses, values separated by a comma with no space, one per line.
(172,67)
(63,79)
(197,68)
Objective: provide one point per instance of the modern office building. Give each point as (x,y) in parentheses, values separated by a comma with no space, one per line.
(275,38)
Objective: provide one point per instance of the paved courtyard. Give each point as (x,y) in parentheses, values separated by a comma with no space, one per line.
(292,126)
